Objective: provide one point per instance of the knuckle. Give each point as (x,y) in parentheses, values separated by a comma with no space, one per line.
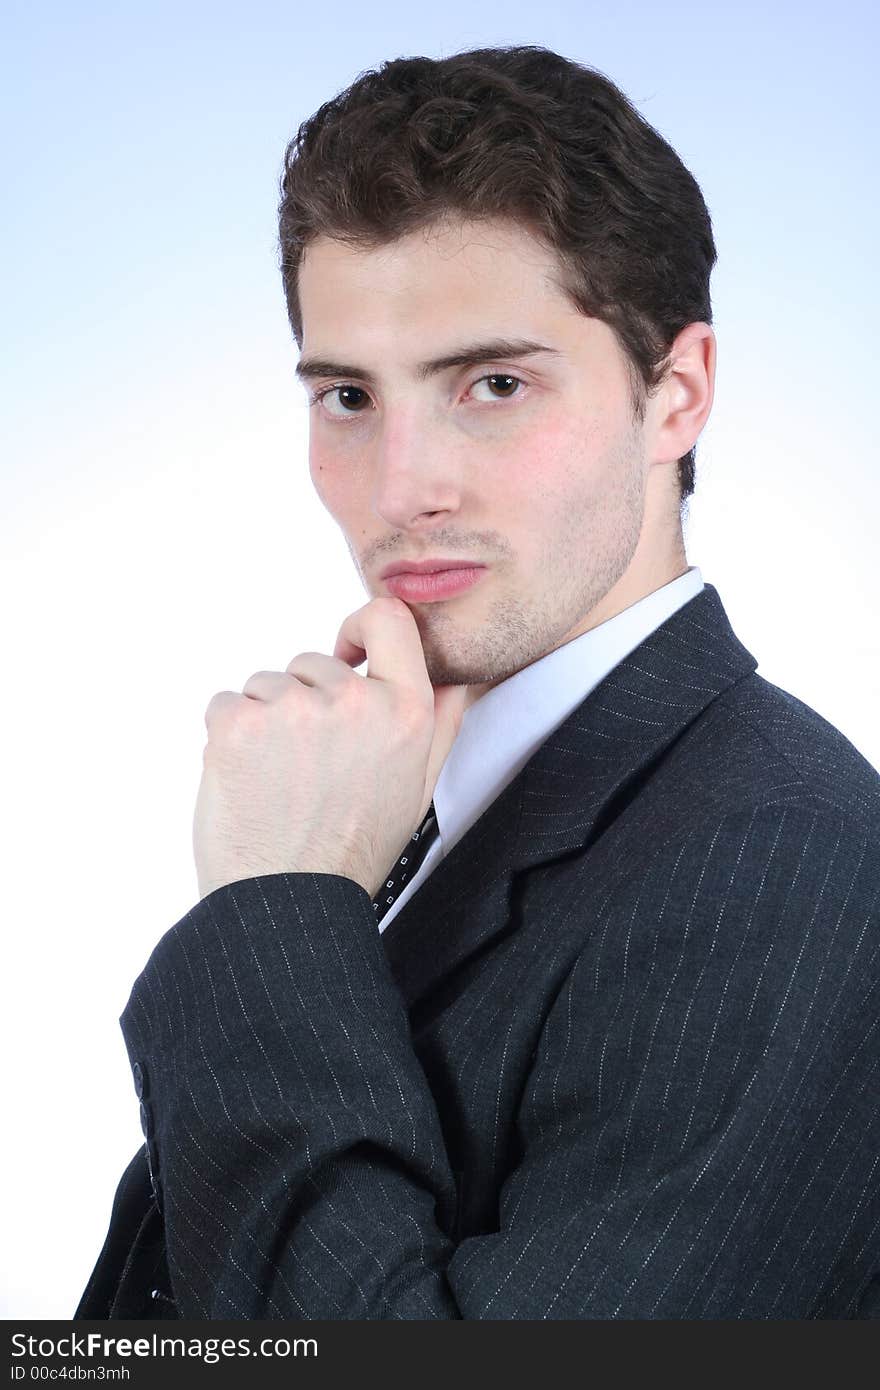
(227,713)
(215,704)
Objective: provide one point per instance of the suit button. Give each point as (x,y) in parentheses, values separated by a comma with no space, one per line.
(145,1121)
(138,1076)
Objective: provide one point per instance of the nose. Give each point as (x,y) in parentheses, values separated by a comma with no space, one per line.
(416,474)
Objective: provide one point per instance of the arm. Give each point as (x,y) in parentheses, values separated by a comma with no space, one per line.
(301,1157)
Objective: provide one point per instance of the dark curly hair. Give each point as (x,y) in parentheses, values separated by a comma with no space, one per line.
(522,133)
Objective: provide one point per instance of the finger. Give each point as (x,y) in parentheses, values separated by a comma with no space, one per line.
(450,702)
(386,631)
(308,668)
(265,685)
(224,700)
(318,669)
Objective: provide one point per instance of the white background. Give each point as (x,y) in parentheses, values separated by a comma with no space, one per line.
(160,539)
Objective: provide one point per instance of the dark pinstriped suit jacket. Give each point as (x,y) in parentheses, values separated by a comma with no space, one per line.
(617,1057)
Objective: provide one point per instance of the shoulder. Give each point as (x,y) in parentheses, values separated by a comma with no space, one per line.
(773,859)
(804,759)
(762,912)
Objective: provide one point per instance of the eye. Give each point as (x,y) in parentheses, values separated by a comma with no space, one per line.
(351,398)
(503,377)
(343,390)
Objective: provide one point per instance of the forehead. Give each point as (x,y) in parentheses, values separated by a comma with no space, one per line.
(455,273)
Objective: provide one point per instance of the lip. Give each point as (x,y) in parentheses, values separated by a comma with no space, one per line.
(432,587)
(427,566)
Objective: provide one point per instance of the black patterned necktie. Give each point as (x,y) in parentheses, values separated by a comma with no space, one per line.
(407,866)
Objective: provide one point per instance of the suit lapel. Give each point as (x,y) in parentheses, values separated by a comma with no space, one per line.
(566,794)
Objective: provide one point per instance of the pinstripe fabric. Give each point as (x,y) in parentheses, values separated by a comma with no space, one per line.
(616,1058)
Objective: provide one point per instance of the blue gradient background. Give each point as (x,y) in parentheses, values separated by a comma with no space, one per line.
(160,538)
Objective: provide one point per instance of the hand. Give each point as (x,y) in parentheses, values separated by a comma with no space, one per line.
(320,770)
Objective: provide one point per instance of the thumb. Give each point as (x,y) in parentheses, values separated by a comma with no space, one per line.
(450,702)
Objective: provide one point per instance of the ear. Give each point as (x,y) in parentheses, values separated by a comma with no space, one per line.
(682,404)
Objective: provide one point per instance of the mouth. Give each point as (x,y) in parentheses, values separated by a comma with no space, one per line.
(431,566)
(429,586)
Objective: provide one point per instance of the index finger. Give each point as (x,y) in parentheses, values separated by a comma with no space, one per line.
(385,631)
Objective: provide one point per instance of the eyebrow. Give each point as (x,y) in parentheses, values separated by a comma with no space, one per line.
(470,355)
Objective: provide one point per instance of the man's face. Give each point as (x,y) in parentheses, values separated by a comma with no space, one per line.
(531,465)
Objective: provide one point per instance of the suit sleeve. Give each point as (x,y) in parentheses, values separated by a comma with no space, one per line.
(698,1133)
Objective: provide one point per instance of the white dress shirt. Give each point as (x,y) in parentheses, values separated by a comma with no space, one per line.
(501,730)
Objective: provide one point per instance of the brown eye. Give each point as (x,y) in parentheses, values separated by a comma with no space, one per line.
(502,380)
(346,393)
(349,397)
(508,380)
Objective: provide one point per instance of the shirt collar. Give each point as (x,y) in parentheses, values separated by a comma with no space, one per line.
(501,730)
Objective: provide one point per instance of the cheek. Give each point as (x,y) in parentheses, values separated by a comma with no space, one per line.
(319,471)
(330,482)
(542,476)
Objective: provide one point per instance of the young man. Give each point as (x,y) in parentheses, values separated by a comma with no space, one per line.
(534,968)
